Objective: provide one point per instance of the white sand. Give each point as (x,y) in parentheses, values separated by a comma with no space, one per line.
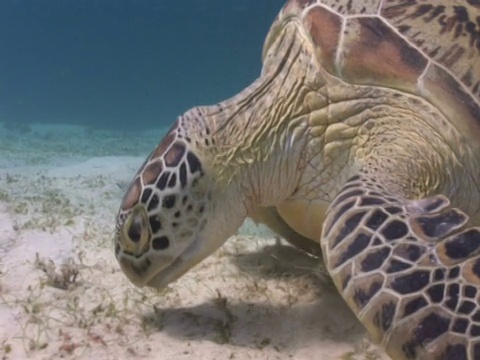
(256,298)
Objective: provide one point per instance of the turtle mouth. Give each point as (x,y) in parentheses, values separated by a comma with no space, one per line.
(184,262)
(159,272)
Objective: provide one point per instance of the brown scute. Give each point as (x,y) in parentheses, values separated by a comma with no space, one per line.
(295,6)
(374,54)
(448,33)
(174,155)
(304,3)
(133,194)
(445,92)
(325,28)
(163,146)
(152,172)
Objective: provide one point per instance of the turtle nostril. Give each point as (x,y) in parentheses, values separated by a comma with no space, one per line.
(135,229)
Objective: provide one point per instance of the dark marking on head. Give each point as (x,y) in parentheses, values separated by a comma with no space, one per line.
(376,219)
(384,317)
(436,293)
(172,182)
(375,259)
(175,154)
(155,224)
(146,195)
(440,225)
(356,246)
(411,283)
(362,297)
(161,243)
(397,266)
(153,204)
(463,245)
(183,175)
(412,306)
(193,163)
(168,201)
(394,230)
(350,225)
(162,182)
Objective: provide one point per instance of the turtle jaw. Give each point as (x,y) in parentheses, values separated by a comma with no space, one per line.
(192,255)
(158,272)
(164,269)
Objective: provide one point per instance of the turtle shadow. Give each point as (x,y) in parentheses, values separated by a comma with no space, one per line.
(256,325)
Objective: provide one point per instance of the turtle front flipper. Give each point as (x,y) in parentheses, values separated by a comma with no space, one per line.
(270,217)
(409,269)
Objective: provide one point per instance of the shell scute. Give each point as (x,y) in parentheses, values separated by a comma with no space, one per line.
(325,29)
(448,33)
(372,53)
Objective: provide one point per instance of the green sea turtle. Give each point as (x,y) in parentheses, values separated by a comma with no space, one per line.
(361,136)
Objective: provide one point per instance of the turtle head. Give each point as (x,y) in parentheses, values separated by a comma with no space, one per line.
(174,214)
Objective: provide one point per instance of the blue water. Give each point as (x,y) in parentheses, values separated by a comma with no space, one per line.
(123,64)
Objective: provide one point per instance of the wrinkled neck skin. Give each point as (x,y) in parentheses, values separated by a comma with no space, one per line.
(259,135)
(299,132)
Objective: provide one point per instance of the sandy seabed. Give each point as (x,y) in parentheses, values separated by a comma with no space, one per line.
(62,294)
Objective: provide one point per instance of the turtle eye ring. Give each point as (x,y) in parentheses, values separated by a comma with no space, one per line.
(136,232)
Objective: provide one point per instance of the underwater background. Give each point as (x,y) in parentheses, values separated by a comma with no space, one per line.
(88,88)
(125,64)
